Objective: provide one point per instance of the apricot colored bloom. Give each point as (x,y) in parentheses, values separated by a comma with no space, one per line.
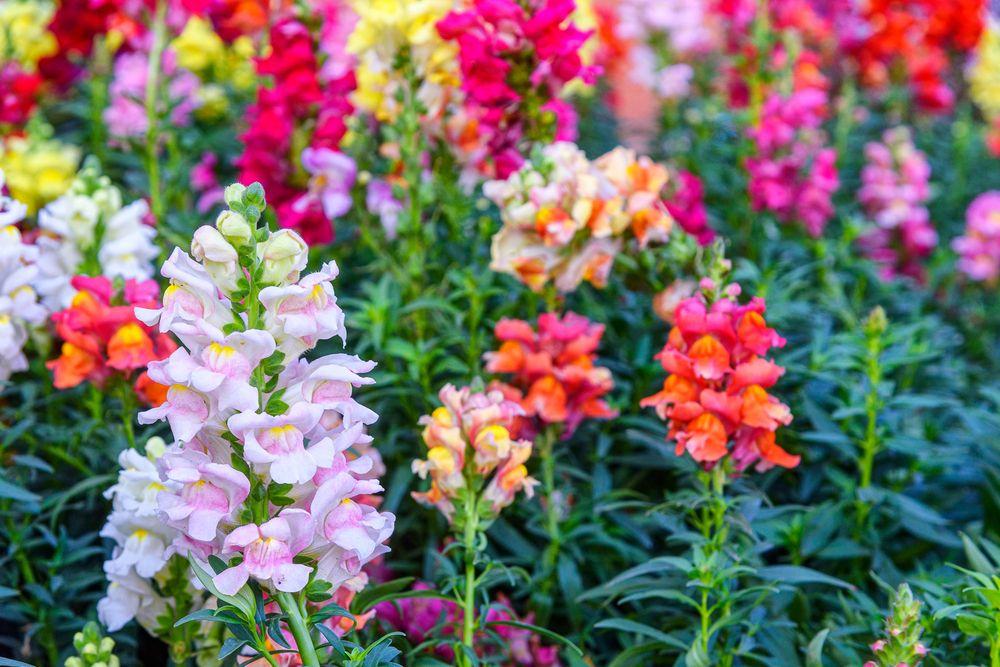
(469,438)
(715,397)
(566,218)
(554,377)
(101,339)
(979,247)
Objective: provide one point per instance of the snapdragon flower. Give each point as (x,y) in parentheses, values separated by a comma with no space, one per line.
(979,247)
(567,218)
(715,397)
(269,471)
(895,187)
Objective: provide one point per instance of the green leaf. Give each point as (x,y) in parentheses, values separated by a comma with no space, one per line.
(814,652)
(633,627)
(15,492)
(200,615)
(230,646)
(795,574)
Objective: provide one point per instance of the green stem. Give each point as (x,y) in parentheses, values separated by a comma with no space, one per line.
(128,413)
(551,556)
(297,624)
(152,118)
(870,444)
(469,544)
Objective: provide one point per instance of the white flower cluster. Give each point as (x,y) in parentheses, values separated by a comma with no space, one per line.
(88,230)
(19,307)
(143,542)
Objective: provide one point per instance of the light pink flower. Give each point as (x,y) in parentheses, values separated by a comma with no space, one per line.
(329,383)
(209,493)
(190,298)
(185,409)
(278,443)
(332,177)
(268,551)
(301,315)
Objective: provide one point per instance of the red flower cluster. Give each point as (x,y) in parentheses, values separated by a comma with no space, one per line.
(300,101)
(555,379)
(515,59)
(715,396)
(916,38)
(101,340)
(75,24)
(18,95)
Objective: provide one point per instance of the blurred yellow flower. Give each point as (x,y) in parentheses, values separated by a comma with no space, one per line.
(38,171)
(984,74)
(200,50)
(24,34)
(385,28)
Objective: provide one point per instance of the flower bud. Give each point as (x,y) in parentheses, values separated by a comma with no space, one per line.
(234,193)
(74,662)
(217,255)
(234,227)
(284,254)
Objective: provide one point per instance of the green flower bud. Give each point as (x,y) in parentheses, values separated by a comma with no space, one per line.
(284,254)
(234,227)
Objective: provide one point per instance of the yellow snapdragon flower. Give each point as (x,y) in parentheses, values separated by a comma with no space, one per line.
(384,29)
(200,50)
(38,171)
(984,74)
(24,34)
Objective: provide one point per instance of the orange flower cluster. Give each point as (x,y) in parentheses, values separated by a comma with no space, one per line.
(102,338)
(715,396)
(555,379)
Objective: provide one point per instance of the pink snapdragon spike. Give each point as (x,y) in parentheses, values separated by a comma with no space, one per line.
(793,174)
(209,493)
(895,186)
(332,177)
(979,247)
(268,550)
(250,418)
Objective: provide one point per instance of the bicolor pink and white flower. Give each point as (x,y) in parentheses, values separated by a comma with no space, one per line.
(207,493)
(268,551)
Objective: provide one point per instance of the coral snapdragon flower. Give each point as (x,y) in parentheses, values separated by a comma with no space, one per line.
(102,338)
(715,396)
(554,379)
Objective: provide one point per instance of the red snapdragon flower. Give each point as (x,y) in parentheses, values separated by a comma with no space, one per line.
(715,396)
(555,378)
(303,108)
(102,338)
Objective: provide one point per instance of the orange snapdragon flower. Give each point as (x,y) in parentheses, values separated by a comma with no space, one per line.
(715,395)
(101,340)
(555,378)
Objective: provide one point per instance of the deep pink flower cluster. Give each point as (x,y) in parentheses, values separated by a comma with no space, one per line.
(979,247)
(515,60)
(425,618)
(685,201)
(894,189)
(793,173)
(303,97)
